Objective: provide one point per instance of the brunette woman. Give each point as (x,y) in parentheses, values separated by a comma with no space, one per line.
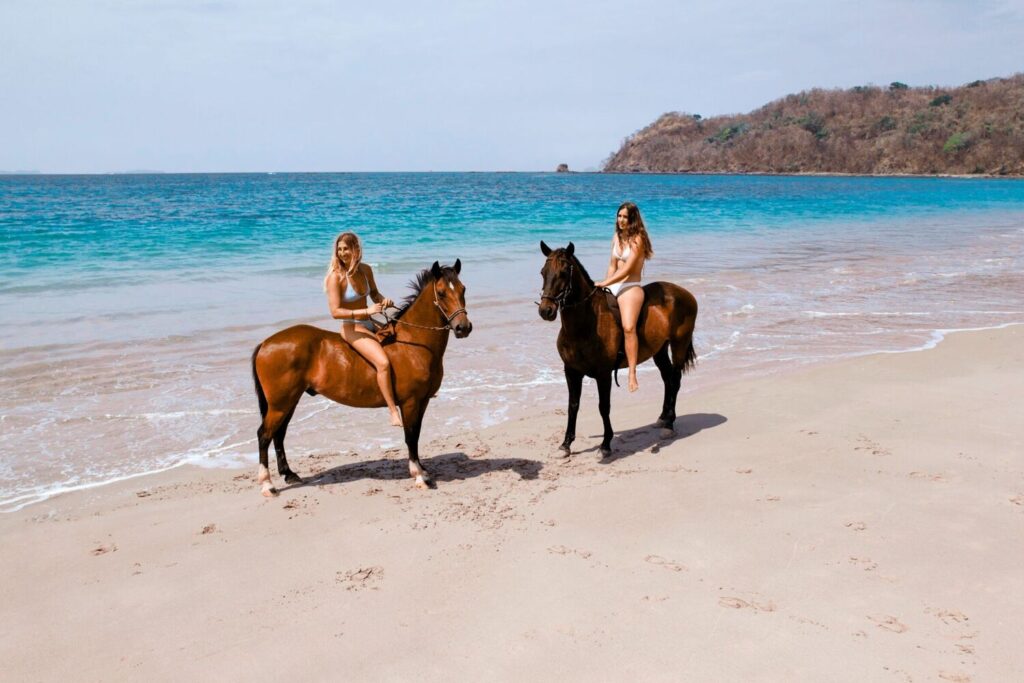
(631,247)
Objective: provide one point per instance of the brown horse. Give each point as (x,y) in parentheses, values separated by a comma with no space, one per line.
(591,334)
(315,361)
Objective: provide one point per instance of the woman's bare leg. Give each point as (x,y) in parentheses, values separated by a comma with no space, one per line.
(630,303)
(366,344)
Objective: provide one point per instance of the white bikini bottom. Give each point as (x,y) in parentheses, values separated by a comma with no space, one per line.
(619,287)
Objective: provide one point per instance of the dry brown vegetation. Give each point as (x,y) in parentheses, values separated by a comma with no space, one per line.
(976,128)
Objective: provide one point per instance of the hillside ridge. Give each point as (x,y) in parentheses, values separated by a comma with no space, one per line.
(973,129)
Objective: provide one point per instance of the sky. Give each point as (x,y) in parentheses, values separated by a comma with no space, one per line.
(380,85)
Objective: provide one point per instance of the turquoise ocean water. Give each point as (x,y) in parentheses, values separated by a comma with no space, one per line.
(130,304)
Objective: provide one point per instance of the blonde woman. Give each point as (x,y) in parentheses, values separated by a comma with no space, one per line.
(631,247)
(348,282)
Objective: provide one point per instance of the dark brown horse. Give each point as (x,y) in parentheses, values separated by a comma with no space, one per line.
(316,361)
(591,334)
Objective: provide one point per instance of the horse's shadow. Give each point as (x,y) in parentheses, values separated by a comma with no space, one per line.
(633,441)
(456,466)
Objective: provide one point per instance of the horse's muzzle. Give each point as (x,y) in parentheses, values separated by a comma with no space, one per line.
(462,329)
(547,310)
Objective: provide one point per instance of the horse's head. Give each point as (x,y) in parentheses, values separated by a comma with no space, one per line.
(450,297)
(557,273)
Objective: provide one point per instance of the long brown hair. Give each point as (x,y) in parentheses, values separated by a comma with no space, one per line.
(634,228)
(352,240)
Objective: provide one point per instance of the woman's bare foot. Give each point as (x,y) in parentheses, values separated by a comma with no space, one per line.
(633,385)
(396,418)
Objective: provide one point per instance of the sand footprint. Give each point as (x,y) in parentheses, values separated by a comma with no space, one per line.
(660,561)
(927,476)
(952,617)
(954,676)
(864,563)
(562,550)
(871,447)
(361,579)
(740,603)
(889,623)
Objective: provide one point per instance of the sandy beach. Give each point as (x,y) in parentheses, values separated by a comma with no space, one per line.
(860,520)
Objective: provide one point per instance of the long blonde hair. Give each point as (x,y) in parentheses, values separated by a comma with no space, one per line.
(352,240)
(634,228)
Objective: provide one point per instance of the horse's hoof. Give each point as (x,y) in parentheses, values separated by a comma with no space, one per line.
(424,483)
(292,478)
(271,492)
(606,452)
(663,423)
(667,433)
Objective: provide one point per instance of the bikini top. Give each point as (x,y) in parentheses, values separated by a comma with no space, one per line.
(351,294)
(622,255)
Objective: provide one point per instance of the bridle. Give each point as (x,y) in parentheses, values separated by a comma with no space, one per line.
(447,318)
(562,297)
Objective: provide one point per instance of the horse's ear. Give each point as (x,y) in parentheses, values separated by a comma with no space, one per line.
(569,249)
(458,266)
(435,270)
(545,249)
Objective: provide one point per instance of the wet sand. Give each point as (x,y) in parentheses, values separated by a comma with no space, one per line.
(856,521)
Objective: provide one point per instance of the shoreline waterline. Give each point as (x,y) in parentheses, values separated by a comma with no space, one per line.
(202,460)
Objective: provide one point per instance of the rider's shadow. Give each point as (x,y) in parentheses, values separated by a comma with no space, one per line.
(649,437)
(454,466)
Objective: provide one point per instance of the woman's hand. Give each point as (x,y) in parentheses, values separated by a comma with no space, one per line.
(376,308)
(387,303)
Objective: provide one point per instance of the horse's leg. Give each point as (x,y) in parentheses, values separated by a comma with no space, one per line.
(668,416)
(282,460)
(604,404)
(412,419)
(264,435)
(682,352)
(574,380)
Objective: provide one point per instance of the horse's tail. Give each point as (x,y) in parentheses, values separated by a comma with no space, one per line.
(690,357)
(260,396)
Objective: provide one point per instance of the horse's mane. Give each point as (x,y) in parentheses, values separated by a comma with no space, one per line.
(586,275)
(422,279)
